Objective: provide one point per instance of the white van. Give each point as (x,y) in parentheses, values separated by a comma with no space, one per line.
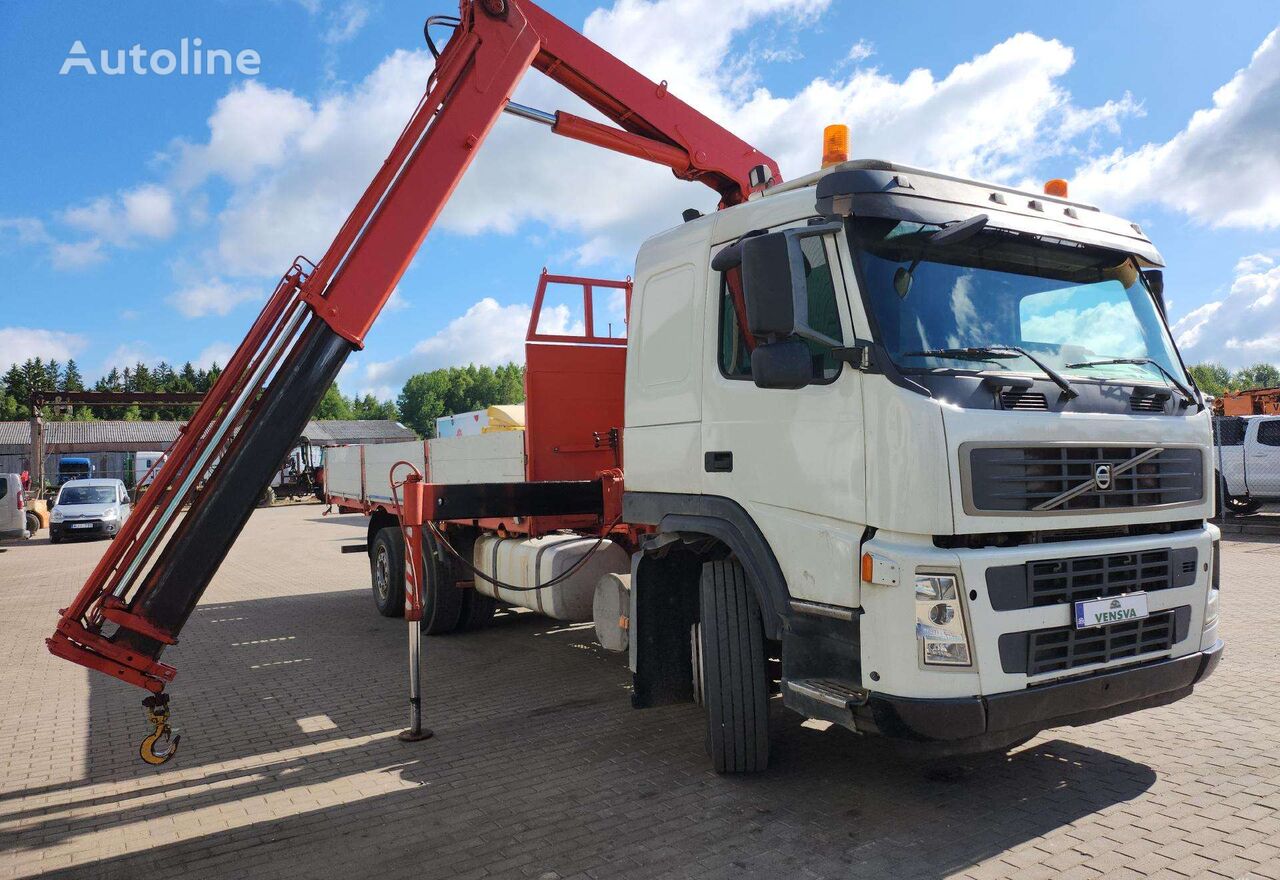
(142,464)
(88,508)
(13,507)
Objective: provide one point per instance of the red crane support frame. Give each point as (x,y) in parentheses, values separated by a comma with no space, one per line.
(496,42)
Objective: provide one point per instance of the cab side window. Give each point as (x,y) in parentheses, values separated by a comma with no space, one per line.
(1269,432)
(824,316)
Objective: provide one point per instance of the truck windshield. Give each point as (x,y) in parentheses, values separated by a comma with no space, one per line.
(1074,308)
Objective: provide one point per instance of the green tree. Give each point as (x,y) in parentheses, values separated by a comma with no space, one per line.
(1256,376)
(450,390)
(369,407)
(333,405)
(71,378)
(1212,378)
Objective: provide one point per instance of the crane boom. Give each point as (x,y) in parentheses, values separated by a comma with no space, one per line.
(139,596)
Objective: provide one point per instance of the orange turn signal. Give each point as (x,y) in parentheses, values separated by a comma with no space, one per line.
(835,145)
(1056,187)
(868,567)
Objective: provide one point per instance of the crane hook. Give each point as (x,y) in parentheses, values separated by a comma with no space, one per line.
(157,706)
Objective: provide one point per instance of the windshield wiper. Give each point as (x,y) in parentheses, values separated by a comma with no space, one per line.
(1187,396)
(973,353)
(1000,352)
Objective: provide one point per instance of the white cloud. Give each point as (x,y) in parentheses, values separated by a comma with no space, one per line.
(347,21)
(129,354)
(17,344)
(859,51)
(72,255)
(1222,169)
(25,230)
(297,167)
(1240,328)
(143,212)
(215,353)
(251,128)
(487,333)
(212,297)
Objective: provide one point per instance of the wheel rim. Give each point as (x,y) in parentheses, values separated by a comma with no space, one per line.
(382,574)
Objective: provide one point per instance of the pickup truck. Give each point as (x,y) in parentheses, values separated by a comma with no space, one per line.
(1248,453)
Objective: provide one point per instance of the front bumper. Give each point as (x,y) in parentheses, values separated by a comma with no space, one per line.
(972,724)
(95,528)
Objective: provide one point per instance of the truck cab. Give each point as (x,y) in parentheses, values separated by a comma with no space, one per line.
(927,442)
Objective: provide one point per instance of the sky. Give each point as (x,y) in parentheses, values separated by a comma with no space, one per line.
(146,217)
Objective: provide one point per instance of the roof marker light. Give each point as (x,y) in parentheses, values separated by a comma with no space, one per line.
(1056,187)
(835,145)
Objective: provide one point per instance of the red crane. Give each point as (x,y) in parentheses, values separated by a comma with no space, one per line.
(139,596)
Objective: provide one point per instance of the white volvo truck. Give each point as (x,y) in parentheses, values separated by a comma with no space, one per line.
(925,441)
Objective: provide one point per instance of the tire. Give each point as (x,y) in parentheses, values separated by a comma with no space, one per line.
(442,600)
(386,572)
(735,687)
(33,524)
(54,537)
(477,610)
(1242,505)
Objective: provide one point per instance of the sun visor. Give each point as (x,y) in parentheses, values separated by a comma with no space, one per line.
(923,197)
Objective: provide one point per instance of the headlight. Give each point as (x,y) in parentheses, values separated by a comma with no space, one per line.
(55,515)
(939,622)
(109,514)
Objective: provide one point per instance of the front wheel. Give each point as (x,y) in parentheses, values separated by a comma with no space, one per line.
(386,571)
(735,688)
(1242,505)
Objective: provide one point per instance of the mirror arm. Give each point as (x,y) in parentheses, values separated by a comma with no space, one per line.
(867,356)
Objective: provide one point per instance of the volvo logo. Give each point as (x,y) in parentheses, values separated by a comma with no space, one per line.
(1102,476)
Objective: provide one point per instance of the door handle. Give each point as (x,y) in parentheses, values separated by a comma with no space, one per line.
(718,462)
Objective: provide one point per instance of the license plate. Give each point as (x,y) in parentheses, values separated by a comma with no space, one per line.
(82,525)
(1114,609)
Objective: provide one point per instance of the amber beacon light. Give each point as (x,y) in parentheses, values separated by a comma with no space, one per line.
(835,145)
(1056,187)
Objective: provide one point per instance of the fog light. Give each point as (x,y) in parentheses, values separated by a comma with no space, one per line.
(940,625)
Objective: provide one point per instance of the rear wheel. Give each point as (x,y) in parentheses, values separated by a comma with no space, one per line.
(477,610)
(33,524)
(735,689)
(442,599)
(386,569)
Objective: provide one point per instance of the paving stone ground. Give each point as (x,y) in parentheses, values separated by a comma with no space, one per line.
(291,690)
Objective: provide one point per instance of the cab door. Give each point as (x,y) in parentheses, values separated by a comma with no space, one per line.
(1262,464)
(793,458)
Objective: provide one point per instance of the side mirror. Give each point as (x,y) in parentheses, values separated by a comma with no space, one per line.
(786,364)
(774,284)
(1155,281)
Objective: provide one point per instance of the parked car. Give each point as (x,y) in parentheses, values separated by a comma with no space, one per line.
(1248,449)
(13,508)
(87,508)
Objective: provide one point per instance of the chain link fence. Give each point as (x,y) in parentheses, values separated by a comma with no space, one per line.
(1246,453)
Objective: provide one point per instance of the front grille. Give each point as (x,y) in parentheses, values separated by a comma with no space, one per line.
(1017,399)
(1065,648)
(1030,479)
(1057,581)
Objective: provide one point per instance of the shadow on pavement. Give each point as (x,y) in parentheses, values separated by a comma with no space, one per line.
(289,766)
